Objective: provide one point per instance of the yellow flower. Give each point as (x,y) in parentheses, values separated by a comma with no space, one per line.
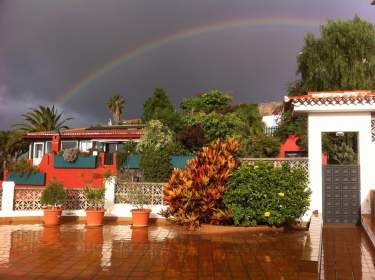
(267,214)
(281,194)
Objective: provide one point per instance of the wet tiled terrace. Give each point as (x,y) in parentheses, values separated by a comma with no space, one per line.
(118,252)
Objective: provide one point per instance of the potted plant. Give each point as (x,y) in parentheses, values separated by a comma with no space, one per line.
(52,199)
(140,215)
(95,210)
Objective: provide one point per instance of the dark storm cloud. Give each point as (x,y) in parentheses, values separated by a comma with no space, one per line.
(47,46)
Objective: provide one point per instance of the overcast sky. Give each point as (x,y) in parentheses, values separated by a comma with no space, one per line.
(49,46)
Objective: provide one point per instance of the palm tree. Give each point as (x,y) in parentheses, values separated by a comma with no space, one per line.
(11,146)
(43,118)
(116,106)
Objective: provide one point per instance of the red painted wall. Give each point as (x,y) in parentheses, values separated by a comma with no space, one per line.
(76,177)
(290,145)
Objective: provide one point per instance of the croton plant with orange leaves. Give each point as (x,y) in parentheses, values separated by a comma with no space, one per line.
(194,195)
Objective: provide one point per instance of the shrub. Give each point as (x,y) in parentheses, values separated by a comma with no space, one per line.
(22,166)
(137,197)
(194,194)
(70,155)
(263,194)
(54,195)
(94,197)
(155,165)
(125,150)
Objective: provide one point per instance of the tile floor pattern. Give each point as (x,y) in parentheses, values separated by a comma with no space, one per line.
(118,252)
(347,254)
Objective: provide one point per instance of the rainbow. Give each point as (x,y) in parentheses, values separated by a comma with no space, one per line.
(180,35)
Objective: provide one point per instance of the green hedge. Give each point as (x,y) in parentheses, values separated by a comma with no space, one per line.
(263,194)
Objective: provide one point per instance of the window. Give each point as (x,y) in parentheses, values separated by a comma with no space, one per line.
(85,145)
(68,144)
(48,147)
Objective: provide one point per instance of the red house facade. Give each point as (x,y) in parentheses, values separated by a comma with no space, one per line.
(97,148)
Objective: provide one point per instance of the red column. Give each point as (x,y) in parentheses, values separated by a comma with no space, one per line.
(56,143)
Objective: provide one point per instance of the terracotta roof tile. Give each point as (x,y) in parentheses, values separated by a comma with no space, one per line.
(332,98)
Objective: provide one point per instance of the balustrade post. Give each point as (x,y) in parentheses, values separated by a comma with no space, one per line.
(7,198)
(109,197)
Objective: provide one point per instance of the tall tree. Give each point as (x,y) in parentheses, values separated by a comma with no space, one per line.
(159,107)
(43,118)
(11,146)
(116,106)
(342,58)
(213,100)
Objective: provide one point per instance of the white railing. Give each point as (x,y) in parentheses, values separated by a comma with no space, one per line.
(28,199)
(152,192)
(293,162)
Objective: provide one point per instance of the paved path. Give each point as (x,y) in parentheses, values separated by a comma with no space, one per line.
(118,252)
(347,254)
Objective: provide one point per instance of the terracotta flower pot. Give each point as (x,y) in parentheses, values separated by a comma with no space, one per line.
(139,235)
(52,216)
(95,217)
(140,217)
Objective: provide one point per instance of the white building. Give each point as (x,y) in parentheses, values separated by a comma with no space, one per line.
(340,192)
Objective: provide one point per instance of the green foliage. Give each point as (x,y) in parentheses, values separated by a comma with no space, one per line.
(192,138)
(342,154)
(43,118)
(249,131)
(251,120)
(292,124)
(22,166)
(342,58)
(213,100)
(156,136)
(94,197)
(259,146)
(263,194)
(210,116)
(211,112)
(116,105)
(125,150)
(137,197)
(159,107)
(215,125)
(194,194)
(11,146)
(155,165)
(54,194)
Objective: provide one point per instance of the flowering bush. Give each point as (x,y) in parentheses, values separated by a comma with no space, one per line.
(263,194)
(194,194)
(70,155)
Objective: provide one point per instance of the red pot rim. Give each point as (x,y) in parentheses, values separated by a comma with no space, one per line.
(53,209)
(95,210)
(141,210)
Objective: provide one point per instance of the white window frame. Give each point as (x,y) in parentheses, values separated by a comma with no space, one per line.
(45,147)
(86,142)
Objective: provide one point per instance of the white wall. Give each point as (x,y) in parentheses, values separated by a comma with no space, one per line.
(348,122)
(271,121)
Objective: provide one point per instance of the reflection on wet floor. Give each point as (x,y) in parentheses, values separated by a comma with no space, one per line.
(118,252)
(347,254)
